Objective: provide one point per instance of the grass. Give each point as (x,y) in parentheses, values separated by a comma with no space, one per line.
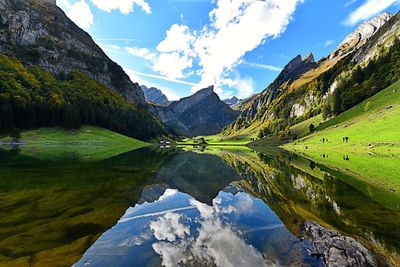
(372,153)
(303,128)
(219,140)
(87,143)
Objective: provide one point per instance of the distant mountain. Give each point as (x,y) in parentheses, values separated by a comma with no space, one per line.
(54,74)
(232,101)
(305,88)
(154,95)
(203,113)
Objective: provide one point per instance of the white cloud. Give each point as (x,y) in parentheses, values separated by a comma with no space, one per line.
(178,39)
(172,65)
(124,6)
(261,66)
(329,42)
(169,228)
(236,27)
(79,12)
(141,53)
(367,10)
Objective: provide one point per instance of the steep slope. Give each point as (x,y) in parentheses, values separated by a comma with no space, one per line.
(154,95)
(200,114)
(299,93)
(364,126)
(53,74)
(37,32)
(32,97)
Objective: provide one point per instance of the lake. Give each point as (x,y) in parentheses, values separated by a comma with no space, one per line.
(184,207)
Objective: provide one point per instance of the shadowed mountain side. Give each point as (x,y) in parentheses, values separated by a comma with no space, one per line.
(202,113)
(202,176)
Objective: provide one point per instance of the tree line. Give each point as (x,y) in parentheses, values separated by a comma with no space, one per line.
(32,97)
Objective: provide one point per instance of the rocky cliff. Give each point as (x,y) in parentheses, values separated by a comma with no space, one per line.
(37,32)
(200,114)
(155,96)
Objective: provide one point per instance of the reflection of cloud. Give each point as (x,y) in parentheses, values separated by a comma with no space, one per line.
(215,243)
(168,193)
(169,228)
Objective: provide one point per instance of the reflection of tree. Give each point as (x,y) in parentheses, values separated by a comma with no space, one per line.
(299,191)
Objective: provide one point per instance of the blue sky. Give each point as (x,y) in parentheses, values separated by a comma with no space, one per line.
(181,46)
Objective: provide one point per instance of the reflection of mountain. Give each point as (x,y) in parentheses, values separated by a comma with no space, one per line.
(317,195)
(177,230)
(200,175)
(52,211)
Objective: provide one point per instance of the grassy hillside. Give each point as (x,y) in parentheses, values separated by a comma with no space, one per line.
(88,143)
(372,126)
(372,153)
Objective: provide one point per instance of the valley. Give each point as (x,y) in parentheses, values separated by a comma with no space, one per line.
(226,143)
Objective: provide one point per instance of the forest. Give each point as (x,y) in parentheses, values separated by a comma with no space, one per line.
(32,97)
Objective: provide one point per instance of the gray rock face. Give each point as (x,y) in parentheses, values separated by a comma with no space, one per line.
(232,101)
(200,114)
(338,250)
(154,95)
(358,38)
(37,32)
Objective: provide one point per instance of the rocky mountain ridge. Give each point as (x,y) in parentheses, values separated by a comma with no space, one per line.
(300,89)
(232,101)
(37,32)
(203,113)
(155,96)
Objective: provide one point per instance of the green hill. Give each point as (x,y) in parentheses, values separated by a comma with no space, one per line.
(85,144)
(372,153)
(371,126)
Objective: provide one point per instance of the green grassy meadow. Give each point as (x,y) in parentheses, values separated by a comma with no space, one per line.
(88,143)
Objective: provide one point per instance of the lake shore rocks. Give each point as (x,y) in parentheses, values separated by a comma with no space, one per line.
(336,249)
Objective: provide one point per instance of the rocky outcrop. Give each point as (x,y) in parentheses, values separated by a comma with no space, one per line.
(155,96)
(232,101)
(337,250)
(357,38)
(257,106)
(37,32)
(200,114)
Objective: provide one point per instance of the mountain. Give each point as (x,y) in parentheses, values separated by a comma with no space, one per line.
(203,113)
(154,95)
(232,101)
(362,65)
(37,32)
(53,74)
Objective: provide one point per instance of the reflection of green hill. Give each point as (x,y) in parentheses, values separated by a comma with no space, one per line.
(202,176)
(50,212)
(296,196)
(86,144)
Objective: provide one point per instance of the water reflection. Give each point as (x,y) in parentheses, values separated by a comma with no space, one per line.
(178,230)
(215,207)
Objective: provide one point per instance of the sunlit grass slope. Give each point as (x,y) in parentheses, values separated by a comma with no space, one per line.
(87,143)
(372,127)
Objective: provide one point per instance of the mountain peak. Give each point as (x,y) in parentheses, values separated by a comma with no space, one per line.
(366,29)
(309,58)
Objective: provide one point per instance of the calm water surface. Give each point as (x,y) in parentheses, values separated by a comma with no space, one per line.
(180,208)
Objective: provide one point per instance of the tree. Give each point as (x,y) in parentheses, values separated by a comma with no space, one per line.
(312,128)
(16,134)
